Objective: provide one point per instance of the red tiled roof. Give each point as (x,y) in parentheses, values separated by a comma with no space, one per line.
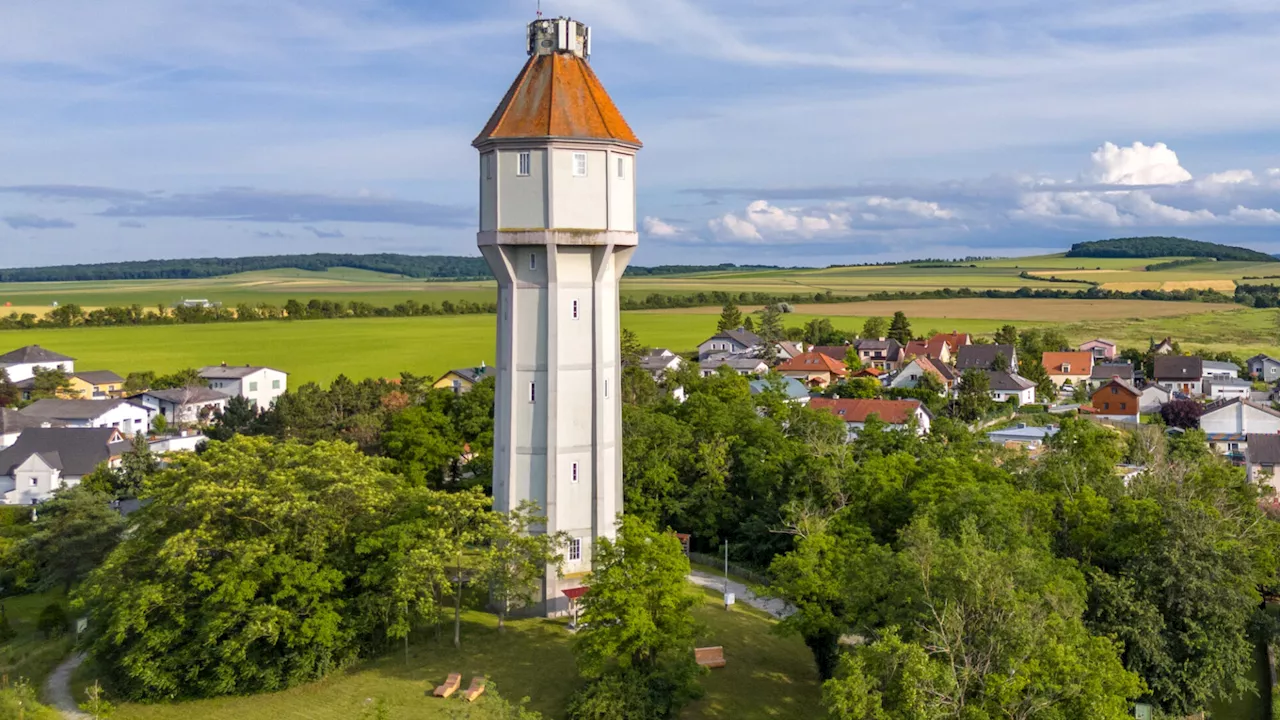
(813,362)
(869,372)
(558,95)
(937,368)
(954,339)
(1081,363)
(893,412)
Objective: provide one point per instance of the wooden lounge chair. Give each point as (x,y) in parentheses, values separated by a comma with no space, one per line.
(476,689)
(711,657)
(450,686)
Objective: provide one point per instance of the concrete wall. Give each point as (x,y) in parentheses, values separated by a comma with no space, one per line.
(622,192)
(578,203)
(521,200)
(489,190)
(1239,419)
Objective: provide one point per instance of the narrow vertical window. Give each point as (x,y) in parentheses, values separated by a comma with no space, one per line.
(533,261)
(533,392)
(523,169)
(575,549)
(579,164)
(622,167)
(573,473)
(606,389)
(488,166)
(575,309)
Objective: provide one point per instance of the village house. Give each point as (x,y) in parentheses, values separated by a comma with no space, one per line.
(895,414)
(1026,437)
(21,364)
(1264,368)
(1103,372)
(1154,397)
(1074,368)
(259,385)
(785,349)
(813,369)
(463,379)
(129,418)
(1164,347)
(184,406)
(12,423)
(1227,387)
(1117,400)
(731,342)
(44,460)
(1217,369)
(1180,374)
(794,390)
(1227,423)
(1261,457)
(939,347)
(835,352)
(881,353)
(660,361)
(741,364)
(97,385)
(1006,385)
(1100,349)
(910,375)
(983,357)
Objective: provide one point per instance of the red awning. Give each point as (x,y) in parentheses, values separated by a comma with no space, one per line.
(575,593)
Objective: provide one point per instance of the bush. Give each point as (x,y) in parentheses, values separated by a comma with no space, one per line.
(53,620)
(7,632)
(636,694)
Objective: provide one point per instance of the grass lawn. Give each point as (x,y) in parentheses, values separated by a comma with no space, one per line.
(29,655)
(768,676)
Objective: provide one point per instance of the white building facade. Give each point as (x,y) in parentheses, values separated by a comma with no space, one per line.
(558,227)
(259,385)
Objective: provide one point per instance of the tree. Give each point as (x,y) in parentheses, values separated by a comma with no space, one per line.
(630,347)
(1183,414)
(138,382)
(852,361)
(973,398)
(9,393)
(239,417)
(76,531)
(159,425)
(900,328)
(515,559)
(51,383)
(638,611)
(1007,335)
(730,318)
(1000,363)
(749,323)
(424,443)
(53,621)
(7,632)
(97,706)
(875,328)
(188,378)
(1031,368)
(820,331)
(771,332)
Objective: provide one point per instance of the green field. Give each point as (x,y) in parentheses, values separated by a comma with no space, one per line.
(768,676)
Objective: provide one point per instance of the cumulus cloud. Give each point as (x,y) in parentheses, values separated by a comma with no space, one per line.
(660,228)
(1137,164)
(36,222)
(763,221)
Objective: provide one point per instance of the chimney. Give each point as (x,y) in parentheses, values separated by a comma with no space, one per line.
(482,364)
(224,363)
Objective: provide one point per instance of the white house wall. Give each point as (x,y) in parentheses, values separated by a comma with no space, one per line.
(1239,419)
(521,200)
(578,203)
(26,371)
(622,192)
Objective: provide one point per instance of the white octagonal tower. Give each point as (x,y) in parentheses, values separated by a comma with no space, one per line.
(558,227)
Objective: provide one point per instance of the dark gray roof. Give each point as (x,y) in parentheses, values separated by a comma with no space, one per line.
(1008,382)
(32,354)
(737,362)
(1176,367)
(1217,405)
(473,375)
(1262,357)
(1122,383)
(835,352)
(187,396)
(1263,449)
(981,356)
(98,377)
(230,372)
(743,337)
(74,451)
(656,360)
(70,409)
(866,344)
(1106,371)
(1216,365)
(12,421)
(1229,382)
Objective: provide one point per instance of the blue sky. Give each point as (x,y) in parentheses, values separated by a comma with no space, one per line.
(776,131)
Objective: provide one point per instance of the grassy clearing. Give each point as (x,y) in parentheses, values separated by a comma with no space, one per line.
(768,676)
(29,655)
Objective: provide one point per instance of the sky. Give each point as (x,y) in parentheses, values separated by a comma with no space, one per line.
(790,132)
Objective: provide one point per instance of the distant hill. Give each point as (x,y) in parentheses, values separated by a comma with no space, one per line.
(427,267)
(1149,247)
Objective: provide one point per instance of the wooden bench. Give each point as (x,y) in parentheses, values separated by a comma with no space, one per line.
(476,689)
(710,657)
(450,686)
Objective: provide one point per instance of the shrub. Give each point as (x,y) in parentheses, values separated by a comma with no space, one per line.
(53,620)
(7,632)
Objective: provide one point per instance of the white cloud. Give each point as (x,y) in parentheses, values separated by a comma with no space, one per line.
(660,228)
(1228,177)
(1138,164)
(764,222)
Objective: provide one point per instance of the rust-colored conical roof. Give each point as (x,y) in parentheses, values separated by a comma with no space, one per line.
(557,95)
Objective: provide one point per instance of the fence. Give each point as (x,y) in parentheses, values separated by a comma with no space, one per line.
(754,577)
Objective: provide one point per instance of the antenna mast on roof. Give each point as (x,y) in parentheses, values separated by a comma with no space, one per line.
(539,9)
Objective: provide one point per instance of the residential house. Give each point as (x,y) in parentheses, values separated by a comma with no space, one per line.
(1179,373)
(1118,400)
(44,460)
(939,347)
(463,379)
(1103,372)
(785,350)
(1100,349)
(1006,385)
(983,357)
(184,406)
(896,414)
(1264,368)
(1164,347)
(128,417)
(1261,458)
(259,385)
(873,373)
(1154,397)
(881,353)
(1227,423)
(97,384)
(660,361)
(1216,369)
(180,441)
(12,423)
(731,342)
(741,364)
(1227,387)
(910,375)
(21,364)
(835,352)
(1075,367)
(1028,437)
(794,390)
(813,369)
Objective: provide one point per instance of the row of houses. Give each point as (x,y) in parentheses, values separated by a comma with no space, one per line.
(54,442)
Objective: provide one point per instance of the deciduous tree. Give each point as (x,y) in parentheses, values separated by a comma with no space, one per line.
(515,559)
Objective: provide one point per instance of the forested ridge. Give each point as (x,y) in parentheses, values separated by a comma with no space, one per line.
(1149,247)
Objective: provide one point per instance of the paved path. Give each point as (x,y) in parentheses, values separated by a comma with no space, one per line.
(773,606)
(57,689)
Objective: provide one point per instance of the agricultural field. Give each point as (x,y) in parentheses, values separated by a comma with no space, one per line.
(768,676)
